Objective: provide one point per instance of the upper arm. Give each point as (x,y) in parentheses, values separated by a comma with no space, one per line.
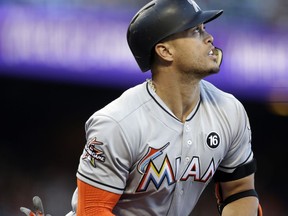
(106,158)
(236,186)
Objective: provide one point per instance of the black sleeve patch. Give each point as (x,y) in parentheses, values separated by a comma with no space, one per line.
(240,172)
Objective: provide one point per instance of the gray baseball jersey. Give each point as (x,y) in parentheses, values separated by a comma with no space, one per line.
(136,147)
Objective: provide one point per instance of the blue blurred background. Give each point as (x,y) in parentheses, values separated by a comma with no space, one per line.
(61,60)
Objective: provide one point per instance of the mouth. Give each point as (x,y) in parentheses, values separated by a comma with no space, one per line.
(213,53)
(210,53)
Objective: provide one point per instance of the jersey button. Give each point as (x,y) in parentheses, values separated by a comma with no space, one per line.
(188,128)
(189,142)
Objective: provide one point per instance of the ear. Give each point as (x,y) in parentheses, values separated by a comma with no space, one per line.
(164,51)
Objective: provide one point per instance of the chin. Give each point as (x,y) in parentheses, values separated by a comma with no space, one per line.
(202,73)
(215,70)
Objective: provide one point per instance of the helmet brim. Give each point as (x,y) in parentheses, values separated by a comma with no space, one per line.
(202,17)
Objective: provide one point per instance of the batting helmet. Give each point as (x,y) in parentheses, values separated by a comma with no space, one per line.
(157,20)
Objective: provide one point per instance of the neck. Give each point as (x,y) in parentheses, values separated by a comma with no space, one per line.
(180,97)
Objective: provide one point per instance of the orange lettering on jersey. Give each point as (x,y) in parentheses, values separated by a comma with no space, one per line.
(152,175)
(193,170)
(156,176)
(151,154)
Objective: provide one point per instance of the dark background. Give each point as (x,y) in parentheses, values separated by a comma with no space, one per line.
(42,136)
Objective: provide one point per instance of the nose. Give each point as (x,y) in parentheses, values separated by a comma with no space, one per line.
(209,38)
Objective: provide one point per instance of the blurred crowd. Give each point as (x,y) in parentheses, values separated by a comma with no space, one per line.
(264,11)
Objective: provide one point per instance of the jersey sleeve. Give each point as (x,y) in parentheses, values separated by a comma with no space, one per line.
(106,157)
(240,154)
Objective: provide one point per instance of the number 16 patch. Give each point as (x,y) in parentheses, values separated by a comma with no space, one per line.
(213,140)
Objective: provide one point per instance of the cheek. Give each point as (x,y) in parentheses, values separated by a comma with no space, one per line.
(187,53)
(186,61)
(190,57)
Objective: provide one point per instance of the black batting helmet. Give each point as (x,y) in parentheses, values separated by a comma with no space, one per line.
(159,19)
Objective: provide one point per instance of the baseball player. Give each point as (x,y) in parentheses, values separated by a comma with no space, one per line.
(153,150)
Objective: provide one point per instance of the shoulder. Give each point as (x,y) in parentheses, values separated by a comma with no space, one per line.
(210,90)
(127,104)
(211,95)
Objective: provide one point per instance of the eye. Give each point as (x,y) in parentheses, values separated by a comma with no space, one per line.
(197,29)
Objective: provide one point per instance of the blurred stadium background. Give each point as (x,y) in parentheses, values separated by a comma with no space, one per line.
(61,60)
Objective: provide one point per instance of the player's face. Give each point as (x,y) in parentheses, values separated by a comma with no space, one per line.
(194,53)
